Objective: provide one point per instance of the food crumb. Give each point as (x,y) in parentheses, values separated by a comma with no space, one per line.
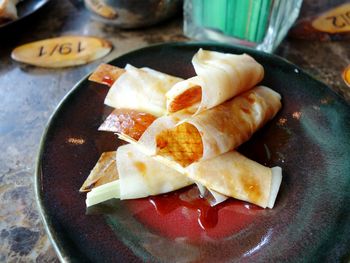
(296,115)
(76,141)
(282,121)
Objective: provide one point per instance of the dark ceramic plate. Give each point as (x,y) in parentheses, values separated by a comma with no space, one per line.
(309,139)
(24,9)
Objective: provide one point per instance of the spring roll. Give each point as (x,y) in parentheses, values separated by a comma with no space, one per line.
(142,90)
(231,174)
(129,174)
(219,77)
(181,139)
(141,176)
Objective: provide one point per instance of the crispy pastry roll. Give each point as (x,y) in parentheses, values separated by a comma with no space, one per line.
(233,175)
(219,77)
(142,90)
(141,176)
(182,139)
(129,174)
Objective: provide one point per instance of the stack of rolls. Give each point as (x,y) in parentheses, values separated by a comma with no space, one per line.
(192,130)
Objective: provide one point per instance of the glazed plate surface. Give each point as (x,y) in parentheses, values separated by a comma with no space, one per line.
(309,139)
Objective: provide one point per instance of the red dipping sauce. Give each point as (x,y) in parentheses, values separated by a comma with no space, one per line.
(108,81)
(183,214)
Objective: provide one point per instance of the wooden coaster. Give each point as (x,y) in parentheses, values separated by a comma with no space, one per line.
(336,20)
(62,51)
(346,75)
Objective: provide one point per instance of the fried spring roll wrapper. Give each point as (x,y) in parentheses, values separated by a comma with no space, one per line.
(141,89)
(129,122)
(104,171)
(141,175)
(220,77)
(129,174)
(106,74)
(231,174)
(182,139)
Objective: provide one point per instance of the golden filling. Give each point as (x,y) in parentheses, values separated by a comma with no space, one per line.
(186,99)
(183,144)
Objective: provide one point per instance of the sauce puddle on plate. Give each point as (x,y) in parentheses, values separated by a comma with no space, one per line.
(183,214)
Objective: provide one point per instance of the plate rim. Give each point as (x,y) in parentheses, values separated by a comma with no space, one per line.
(61,252)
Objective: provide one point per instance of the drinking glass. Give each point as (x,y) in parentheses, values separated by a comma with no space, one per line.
(261,24)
